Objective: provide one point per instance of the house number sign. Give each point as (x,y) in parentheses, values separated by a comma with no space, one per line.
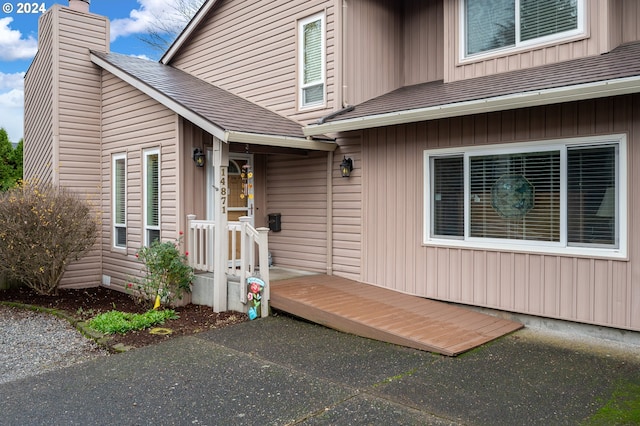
(223,189)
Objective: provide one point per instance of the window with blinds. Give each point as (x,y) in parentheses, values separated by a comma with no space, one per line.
(151,196)
(312,61)
(119,201)
(448,196)
(498,24)
(559,194)
(592,195)
(515,196)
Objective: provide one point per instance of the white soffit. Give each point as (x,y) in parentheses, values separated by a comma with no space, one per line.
(577,92)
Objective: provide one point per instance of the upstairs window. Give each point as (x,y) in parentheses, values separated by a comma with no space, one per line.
(151,196)
(119,179)
(561,196)
(491,25)
(311,55)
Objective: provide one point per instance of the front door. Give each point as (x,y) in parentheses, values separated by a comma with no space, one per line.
(239,194)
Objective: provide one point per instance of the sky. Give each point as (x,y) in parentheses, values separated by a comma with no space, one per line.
(19,42)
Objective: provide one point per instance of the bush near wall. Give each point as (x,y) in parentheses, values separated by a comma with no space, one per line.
(42,230)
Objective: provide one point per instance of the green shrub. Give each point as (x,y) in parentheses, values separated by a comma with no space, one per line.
(121,322)
(166,274)
(42,230)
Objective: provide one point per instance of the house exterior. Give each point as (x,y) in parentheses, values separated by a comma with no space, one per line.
(494,147)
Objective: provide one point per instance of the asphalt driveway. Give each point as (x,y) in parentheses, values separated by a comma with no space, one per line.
(280,370)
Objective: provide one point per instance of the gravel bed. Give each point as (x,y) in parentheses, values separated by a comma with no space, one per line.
(32,343)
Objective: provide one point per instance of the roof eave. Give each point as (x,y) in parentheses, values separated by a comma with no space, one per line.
(279,141)
(612,87)
(217,131)
(187,31)
(160,97)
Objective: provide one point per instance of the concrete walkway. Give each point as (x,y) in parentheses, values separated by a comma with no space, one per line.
(283,371)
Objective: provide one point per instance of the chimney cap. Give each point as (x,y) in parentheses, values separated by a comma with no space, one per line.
(80,5)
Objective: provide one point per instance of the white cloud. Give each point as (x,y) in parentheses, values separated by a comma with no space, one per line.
(12,113)
(142,57)
(12,104)
(12,44)
(153,15)
(11,81)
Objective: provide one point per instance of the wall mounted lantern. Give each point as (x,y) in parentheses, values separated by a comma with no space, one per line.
(198,157)
(346,167)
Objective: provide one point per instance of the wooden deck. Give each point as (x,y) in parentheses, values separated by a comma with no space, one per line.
(387,315)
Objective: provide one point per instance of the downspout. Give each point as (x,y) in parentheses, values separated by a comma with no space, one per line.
(330,213)
(342,45)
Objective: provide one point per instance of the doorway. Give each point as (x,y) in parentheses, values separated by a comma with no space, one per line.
(240,188)
(240,194)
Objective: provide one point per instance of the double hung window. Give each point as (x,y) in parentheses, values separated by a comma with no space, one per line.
(119,200)
(491,25)
(151,179)
(565,196)
(311,74)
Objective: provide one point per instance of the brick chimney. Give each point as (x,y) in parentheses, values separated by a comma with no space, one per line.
(79,5)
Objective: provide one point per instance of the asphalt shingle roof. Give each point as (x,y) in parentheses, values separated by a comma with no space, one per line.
(624,61)
(225,110)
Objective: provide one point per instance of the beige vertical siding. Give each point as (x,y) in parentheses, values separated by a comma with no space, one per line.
(193,189)
(347,210)
(389,44)
(38,114)
(604,21)
(423,40)
(62,115)
(79,122)
(373,49)
(630,20)
(596,291)
(297,188)
(131,123)
(250,49)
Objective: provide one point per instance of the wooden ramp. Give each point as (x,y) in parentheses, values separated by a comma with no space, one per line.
(387,315)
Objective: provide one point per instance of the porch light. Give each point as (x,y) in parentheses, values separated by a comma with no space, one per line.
(198,157)
(346,167)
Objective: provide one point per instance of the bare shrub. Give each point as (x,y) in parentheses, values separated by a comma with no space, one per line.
(42,230)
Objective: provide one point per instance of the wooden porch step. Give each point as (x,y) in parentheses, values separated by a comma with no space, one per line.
(387,315)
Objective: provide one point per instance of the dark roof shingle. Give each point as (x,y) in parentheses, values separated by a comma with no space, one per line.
(624,61)
(223,109)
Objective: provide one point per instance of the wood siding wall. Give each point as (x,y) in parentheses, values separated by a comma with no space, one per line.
(608,23)
(78,121)
(131,123)
(38,110)
(321,211)
(297,189)
(250,49)
(596,291)
(423,41)
(62,125)
(346,223)
(630,17)
(193,188)
(389,44)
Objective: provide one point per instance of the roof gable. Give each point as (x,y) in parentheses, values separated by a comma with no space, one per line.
(226,116)
(182,38)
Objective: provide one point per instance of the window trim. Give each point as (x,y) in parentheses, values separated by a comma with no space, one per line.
(145,184)
(114,159)
(578,33)
(528,246)
(300,74)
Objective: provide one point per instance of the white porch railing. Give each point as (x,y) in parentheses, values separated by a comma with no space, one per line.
(243,239)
